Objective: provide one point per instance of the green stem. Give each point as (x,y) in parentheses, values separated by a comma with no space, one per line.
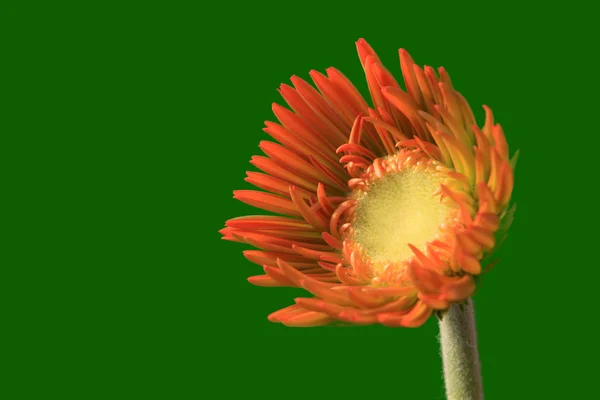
(458,337)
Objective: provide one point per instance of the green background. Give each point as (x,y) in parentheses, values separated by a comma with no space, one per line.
(133,122)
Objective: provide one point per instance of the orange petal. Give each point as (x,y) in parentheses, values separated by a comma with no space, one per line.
(487,203)
(483,236)
(324,200)
(319,104)
(406,104)
(410,79)
(505,184)
(303,109)
(330,177)
(412,319)
(342,104)
(267,202)
(489,123)
(315,254)
(345,277)
(487,221)
(268,222)
(288,165)
(481,173)
(324,291)
(500,141)
(292,141)
(264,280)
(332,241)
(458,289)
(417,316)
(425,280)
(307,213)
(347,89)
(277,275)
(434,301)
(356,318)
(467,243)
(320,305)
(285,312)
(307,319)
(364,51)
(264,257)
(300,128)
(391,291)
(273,185)
(469,264)
(366,300)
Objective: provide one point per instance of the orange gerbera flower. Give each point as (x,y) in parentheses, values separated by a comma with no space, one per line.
(390,210)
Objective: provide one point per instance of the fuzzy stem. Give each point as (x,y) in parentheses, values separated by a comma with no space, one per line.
(458,337)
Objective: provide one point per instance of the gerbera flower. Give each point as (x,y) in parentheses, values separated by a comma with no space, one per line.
(389,210)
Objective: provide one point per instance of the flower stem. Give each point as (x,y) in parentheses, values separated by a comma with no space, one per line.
(458,337)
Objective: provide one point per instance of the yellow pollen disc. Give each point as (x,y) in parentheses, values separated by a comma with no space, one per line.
(397,210)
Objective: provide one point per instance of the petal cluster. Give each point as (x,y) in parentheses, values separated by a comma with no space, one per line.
(331,143)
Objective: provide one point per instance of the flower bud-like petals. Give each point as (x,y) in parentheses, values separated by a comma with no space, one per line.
(388,209)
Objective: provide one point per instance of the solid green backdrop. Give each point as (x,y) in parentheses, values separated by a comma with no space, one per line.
(149,115)
(500,57)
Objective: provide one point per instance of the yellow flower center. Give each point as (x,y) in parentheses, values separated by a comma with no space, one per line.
(399,208)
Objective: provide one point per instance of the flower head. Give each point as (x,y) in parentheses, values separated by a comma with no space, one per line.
(387,211)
